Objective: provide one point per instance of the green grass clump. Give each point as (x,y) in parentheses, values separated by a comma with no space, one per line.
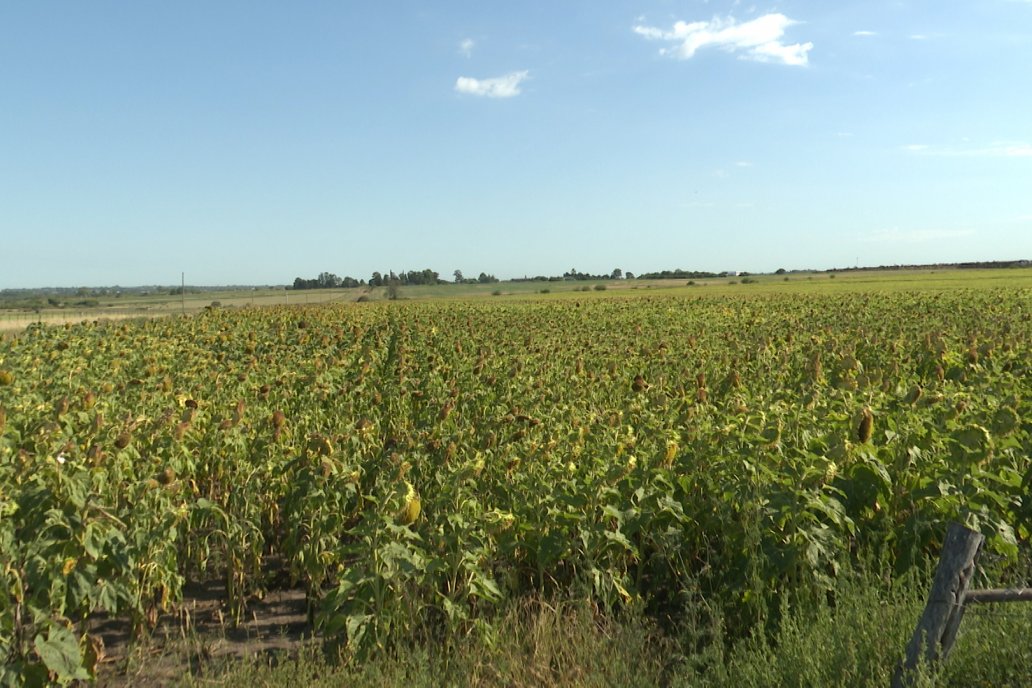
(533,644)
(852,638)
(855,637)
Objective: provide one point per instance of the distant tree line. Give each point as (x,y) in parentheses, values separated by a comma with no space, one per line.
(681,274)
(574,275)
(980,265)
(484,278)
(328,280)
(404,279)
(391,279)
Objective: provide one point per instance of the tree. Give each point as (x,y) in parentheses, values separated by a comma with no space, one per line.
(376,280)
(458,276)
(617,273)
(629,275)
(327,280)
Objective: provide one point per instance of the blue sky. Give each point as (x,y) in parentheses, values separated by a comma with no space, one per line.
(253,142)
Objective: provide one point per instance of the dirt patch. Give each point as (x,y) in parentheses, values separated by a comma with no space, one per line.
(200,631)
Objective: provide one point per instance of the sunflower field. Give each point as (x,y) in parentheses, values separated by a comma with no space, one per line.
(414,465)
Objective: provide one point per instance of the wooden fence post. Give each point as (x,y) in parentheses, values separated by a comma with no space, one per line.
(937,628)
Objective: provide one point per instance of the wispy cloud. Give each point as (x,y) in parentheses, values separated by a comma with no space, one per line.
(1017,150)
(758,39)
(865,34)
(895,235)
(744,163)
(505,86)
(1002,149)
(918,37)
(466,47)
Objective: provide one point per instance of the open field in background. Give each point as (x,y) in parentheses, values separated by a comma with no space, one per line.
(160,305)
(726,472)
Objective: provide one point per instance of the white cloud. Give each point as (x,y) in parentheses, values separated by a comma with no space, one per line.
(757,39)
(864,34)
(466,47)
(1002,149)
(918,37)
(894,235)
(744,163)
(505,86)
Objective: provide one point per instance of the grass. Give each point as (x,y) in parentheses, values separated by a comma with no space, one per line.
(853,637)
(532,644)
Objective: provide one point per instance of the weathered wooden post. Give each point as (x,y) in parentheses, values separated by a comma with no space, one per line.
(937,628)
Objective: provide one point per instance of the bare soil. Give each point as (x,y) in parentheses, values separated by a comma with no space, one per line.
(199,631)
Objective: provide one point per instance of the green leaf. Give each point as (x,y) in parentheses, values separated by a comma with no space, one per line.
(484,586)
(551,549)
(93,540)
(356,627)
(60,653)
(621,539)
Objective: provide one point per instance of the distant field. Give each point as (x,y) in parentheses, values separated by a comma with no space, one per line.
(159,305)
